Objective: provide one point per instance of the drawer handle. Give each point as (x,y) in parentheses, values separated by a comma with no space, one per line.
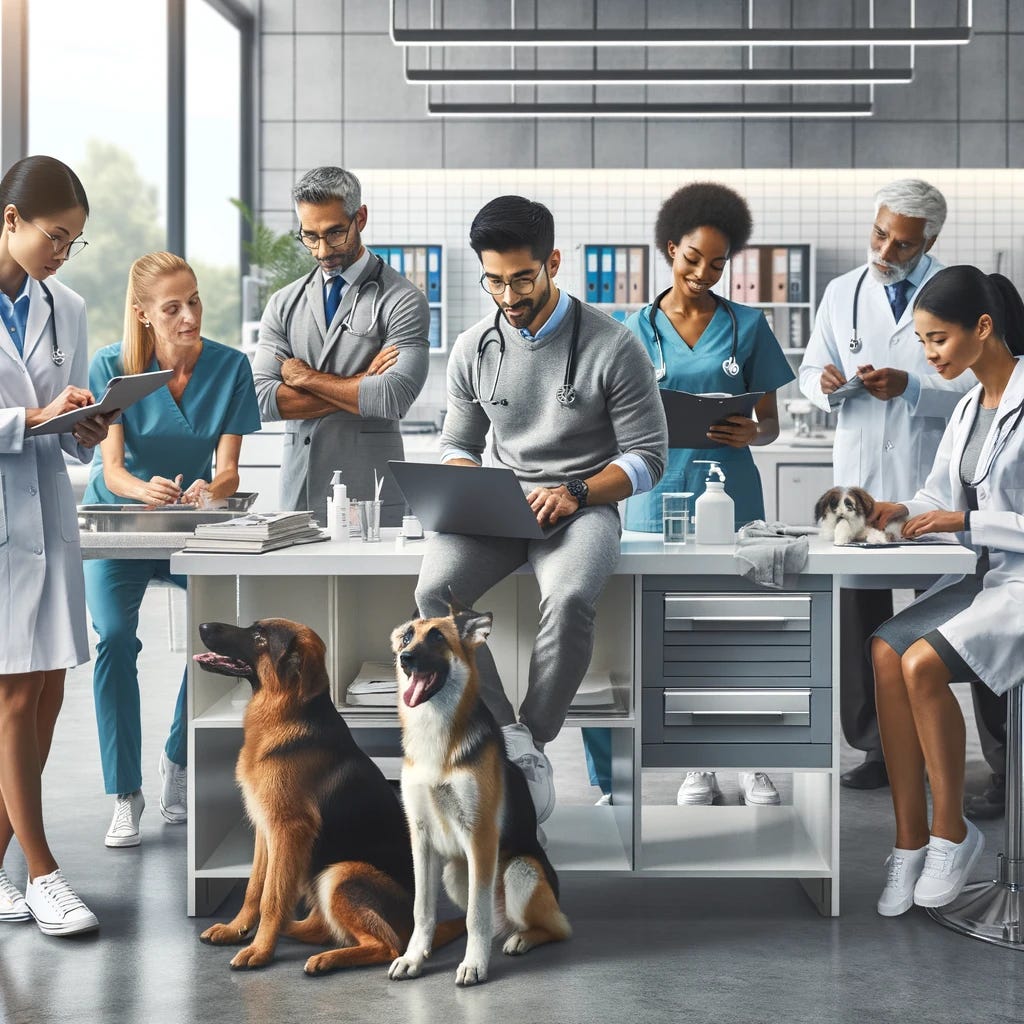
(736,621)
(732,718)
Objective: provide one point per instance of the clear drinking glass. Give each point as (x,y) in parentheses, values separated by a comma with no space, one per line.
(675,517)
(369,521)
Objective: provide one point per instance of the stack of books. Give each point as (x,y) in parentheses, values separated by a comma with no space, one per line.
(256,532)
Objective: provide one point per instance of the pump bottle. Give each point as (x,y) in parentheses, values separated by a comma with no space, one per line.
(337,509)
(714,509)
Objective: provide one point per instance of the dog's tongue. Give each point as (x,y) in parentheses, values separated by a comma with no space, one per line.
(419,682)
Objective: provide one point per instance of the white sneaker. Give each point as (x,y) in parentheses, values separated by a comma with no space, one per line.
(57,907)
(535,766)
(124,826)
(698,788)
(12,904)
(605,801)
(903,869)
(947,868)
(174,794)
(757,788)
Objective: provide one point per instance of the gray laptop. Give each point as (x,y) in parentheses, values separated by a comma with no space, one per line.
(458,499)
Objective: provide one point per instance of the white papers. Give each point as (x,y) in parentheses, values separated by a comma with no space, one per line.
(844,391)
(375,685)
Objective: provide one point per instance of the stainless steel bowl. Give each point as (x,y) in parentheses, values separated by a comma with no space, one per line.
(164,519)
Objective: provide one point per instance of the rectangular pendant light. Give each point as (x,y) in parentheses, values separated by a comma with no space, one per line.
(690,110)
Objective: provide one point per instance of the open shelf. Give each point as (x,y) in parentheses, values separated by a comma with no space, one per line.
(232,858)
(729,842)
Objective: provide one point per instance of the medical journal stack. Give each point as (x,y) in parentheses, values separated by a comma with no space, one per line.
(256,532)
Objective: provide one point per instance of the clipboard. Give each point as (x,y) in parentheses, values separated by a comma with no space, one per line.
(690,416)
(120,394)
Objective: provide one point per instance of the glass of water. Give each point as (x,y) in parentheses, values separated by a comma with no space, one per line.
(675,517)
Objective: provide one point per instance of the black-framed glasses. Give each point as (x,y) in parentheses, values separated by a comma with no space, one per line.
(73,247)
(520,285)
(335,238)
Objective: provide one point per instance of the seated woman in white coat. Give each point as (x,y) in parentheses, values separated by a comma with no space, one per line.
(43,360)
(965,627)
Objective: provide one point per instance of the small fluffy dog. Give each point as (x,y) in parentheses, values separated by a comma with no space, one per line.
(468,807)
(842,514)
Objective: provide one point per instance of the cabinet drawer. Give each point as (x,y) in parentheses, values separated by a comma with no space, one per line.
(737,613)
(737,707)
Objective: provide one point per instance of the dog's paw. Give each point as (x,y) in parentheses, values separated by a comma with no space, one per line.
(405,967)
(250,957)
(516,945)
(843,533)
(321,964)
(471,973)
(874,536)
(224,935)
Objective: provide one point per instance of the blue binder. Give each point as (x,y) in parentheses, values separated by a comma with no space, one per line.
(592,257)
(434,275)
(434,332)
(607,278)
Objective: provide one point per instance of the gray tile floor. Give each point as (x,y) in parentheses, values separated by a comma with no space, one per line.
(651,950)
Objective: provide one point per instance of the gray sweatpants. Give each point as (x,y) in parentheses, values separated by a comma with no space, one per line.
(572,567)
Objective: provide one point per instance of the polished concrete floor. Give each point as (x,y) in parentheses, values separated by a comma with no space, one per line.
(643,950)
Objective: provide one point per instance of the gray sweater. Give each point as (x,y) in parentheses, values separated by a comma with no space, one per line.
(617,408)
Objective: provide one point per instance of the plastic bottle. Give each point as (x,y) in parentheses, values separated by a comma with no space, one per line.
(412,528)
(337,509)
(715,510)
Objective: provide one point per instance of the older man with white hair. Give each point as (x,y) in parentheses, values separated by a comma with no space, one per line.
(892,412)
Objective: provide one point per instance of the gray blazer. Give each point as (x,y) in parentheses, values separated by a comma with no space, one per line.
(396,313)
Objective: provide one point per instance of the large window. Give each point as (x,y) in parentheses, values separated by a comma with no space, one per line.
(98,99)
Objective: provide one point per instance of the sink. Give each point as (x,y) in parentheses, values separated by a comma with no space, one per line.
(165,519)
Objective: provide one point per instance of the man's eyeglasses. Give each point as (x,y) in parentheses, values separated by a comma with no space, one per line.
(59,245)
(335,238)
(520,285)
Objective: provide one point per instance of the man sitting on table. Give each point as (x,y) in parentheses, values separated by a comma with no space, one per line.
(570,398)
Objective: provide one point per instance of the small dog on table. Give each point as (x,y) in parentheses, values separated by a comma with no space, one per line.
(843,515)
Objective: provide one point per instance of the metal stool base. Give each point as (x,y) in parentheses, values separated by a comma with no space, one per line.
(989,911)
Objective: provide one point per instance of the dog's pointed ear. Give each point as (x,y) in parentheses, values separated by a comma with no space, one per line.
(455,605)
(823,504)
(305,663)
(474,627)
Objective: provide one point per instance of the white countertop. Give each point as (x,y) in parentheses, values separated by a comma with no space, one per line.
(642,554)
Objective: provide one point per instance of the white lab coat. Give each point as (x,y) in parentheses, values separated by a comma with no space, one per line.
(884,447)
(42,591)
(989,635)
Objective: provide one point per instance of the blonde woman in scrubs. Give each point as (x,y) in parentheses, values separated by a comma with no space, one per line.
(43,358)
(160,452)
(699,229)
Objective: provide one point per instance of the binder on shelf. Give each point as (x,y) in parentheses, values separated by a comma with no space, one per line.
(592,258)
(419,267)
(434,273)
(769,315)
(607,279)
(434,330)
(797,275)
(395,260)
(621,274)
(796,329)
(780,271)
(738,278)
(753,261)
(409,263)
(637,275)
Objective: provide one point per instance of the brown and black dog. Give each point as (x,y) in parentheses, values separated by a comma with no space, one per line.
(468,806)
(328,825)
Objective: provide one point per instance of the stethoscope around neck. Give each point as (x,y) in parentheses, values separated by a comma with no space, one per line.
(565,393)
(855,343)
(730,365)
(1003,435)
(56,352)
(373,279)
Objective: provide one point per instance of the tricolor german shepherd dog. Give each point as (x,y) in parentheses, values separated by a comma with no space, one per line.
(329,827)
(468,807)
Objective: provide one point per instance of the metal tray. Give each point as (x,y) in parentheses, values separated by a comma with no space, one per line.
(165,519)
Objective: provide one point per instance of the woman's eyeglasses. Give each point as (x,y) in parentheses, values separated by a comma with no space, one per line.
(73,247)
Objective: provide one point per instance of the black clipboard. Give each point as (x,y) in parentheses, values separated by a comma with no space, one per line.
(690,416)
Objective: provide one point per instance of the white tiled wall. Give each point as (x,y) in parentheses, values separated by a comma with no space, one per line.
(831,209)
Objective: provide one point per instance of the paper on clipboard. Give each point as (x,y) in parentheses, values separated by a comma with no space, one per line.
(844,391)
(120,394)
(690,416)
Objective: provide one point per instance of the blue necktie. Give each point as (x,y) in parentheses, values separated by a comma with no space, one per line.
(334,298)
(898,297)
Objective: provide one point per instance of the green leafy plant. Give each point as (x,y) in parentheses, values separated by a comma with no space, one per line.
(277,259)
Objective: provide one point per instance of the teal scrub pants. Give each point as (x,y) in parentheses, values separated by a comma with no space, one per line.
(114,589)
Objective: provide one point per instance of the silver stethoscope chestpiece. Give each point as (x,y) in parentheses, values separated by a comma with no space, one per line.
(566,394)
(855,344)
(58,357)
(731,367)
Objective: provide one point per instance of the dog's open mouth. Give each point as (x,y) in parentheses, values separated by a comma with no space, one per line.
(223,665)
(422,686)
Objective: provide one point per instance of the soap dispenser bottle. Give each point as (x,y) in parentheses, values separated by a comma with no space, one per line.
(714,509)
(337,509)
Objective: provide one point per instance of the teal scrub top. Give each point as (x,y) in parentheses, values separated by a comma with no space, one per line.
(763,367)
(163,438)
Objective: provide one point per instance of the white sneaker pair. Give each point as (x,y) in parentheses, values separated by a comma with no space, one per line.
(535,766)
(932,876)
(128,807)
(702,788)
(12,904)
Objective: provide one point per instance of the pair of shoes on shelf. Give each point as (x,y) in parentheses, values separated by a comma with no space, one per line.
(535,766)
(869,774)
(56,907)
(702,788)
(990,804)
(932,876)
(12,903)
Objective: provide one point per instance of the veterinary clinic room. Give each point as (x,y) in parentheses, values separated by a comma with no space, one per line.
(512,510)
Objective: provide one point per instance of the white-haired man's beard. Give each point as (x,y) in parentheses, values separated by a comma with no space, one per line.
(891,273)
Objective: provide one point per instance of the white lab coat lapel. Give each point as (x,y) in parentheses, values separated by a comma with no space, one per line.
(315,305)
(1006,414)
(38,326)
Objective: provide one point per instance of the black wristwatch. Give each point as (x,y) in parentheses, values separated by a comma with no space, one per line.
(579,490)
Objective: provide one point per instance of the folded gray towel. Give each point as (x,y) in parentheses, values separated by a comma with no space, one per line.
(767,552)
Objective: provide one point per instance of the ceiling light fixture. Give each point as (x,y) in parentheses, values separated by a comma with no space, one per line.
(691,110)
